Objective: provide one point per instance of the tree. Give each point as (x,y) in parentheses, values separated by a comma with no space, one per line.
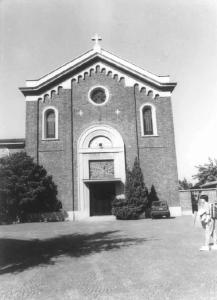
(152,196)
(184,184)
(135,200)
(206,172)
(25,187)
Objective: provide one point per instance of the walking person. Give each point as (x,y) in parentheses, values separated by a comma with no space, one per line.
(208,223)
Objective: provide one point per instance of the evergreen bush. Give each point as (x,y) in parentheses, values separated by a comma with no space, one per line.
(135,200)
(152,196)
(25,188)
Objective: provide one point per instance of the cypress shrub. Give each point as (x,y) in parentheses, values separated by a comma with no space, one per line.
(134,202)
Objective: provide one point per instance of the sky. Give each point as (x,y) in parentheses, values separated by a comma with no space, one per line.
(169,37)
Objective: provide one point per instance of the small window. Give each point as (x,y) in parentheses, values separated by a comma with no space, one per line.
(50,123)
(147,120)
(98,95)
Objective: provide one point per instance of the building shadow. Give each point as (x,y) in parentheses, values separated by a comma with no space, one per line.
(18,255)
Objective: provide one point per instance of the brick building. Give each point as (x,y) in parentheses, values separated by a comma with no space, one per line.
(87,120)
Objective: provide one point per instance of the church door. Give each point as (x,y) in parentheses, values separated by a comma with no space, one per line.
(101,196)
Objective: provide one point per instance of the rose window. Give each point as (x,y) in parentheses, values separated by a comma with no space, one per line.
(98,95)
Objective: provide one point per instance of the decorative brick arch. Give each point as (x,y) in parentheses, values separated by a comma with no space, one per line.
(113,150)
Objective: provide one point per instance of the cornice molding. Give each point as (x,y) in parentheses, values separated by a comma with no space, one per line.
(93,61)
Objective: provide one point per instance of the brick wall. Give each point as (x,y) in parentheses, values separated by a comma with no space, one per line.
(157,154)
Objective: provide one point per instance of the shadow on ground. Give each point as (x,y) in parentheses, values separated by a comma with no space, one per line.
(17,255)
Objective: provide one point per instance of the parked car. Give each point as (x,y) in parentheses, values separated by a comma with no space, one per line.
(160,209)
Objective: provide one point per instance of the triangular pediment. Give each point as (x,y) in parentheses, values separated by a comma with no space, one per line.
(97,60)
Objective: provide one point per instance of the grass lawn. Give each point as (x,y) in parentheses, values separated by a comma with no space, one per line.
(144,259)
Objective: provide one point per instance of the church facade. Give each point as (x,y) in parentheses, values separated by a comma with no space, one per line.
(88,120)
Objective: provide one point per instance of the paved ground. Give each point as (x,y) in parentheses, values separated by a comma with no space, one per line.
(144,259)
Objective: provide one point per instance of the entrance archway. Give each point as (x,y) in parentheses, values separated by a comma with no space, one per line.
(101,169)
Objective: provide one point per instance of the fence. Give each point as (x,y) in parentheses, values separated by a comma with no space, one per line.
(189,199)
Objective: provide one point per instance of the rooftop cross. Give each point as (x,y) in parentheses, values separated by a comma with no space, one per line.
(96,46)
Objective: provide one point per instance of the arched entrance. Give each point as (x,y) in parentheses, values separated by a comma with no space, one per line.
(101,169)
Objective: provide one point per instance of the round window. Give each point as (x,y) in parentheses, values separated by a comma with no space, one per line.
(98,95)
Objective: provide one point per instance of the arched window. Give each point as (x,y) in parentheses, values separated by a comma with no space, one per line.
(148,120)
(50,123)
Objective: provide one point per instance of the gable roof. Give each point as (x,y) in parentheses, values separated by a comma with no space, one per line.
(90,60)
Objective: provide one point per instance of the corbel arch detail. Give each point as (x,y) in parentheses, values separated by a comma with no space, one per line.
(120,77)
